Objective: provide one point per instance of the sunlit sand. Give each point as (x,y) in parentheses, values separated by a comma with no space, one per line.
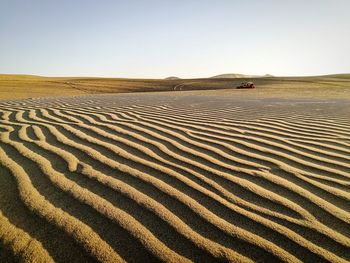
(175,176)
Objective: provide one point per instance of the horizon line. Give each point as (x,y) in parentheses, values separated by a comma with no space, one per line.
(119,77)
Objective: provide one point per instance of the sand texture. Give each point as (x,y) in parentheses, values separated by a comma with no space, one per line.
(173,178)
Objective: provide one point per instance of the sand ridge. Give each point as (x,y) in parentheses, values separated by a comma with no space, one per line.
(175,178)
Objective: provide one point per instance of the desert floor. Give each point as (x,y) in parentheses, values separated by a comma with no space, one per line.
(200,176)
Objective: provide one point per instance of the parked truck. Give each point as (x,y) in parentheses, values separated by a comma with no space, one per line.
(246,85)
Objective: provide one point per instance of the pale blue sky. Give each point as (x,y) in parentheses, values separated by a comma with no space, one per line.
(185,38)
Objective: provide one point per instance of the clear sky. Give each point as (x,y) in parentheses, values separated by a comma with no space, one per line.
(185,38)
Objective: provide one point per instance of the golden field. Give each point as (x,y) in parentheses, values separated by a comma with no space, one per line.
(28,86)
(200,175)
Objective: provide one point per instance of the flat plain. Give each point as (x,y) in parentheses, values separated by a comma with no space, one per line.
(198,172)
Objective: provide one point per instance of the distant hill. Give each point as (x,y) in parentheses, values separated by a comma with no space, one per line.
(172,78)
(236,76)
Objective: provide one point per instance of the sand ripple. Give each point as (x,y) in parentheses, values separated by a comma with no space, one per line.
(162,178)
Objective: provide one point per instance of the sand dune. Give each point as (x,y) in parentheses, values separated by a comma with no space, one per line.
(165,177)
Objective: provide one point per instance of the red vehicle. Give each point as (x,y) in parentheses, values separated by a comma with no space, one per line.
(246,85)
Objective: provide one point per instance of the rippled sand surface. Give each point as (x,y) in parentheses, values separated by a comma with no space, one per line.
(167,177)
